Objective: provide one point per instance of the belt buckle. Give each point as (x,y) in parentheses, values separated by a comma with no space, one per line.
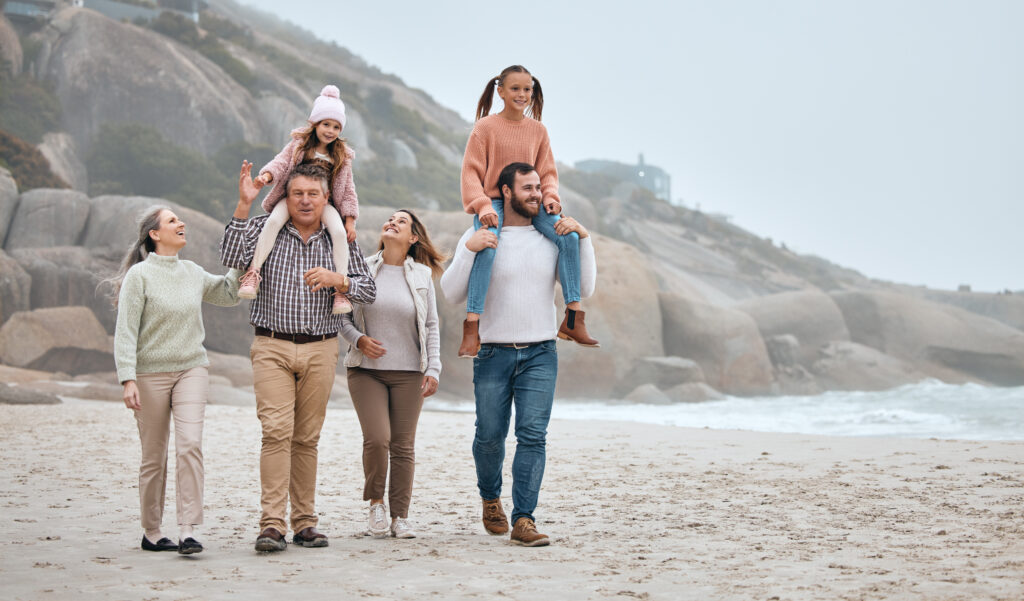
(516,346)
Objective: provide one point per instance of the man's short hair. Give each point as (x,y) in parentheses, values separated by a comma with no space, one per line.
(508,176)
(312,170)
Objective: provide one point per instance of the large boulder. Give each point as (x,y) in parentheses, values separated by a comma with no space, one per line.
(724,342)
(663,372)
(47,217)
(935,338)
(15,285)
(845,365)
(8,202)
(17,395)
(809,315)
(11,56)
(67,339)
(187,98)
(1005,307)
(68,275)
(60,151)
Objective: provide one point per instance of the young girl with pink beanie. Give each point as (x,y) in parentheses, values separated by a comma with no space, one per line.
(515,135)
(319,141)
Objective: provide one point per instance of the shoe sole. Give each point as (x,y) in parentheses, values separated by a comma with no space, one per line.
(310,544)
(247,295)
(496,532)
(379,534)
(541,542)
(269,545)
(571,339)
(190,551)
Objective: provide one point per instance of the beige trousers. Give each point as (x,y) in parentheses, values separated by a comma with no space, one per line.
(388,404)
(292,384)
(181,395)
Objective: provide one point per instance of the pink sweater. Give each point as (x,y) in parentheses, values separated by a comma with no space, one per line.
(343,188)
(496,142)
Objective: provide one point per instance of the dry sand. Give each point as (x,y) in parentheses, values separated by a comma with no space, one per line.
(634,511)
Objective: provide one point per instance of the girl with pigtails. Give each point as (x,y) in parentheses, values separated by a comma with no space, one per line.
(515,135)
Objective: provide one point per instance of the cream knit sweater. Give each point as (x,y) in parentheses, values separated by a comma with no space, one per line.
(159,315)
(520,304)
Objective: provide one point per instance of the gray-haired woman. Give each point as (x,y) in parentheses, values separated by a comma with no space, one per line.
(158,348)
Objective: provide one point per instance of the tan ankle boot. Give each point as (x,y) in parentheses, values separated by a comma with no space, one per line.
(574,329)
(495,521)
(470,339)
(525,534)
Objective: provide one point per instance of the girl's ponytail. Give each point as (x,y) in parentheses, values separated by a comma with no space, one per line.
(538,100)
(483,107)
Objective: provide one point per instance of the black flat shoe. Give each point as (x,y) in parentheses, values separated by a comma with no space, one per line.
(189,546)
(164,544)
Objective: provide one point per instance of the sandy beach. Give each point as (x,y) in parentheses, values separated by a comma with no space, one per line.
(634,511)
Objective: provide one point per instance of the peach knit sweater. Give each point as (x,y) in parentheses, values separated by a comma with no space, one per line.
(496,142)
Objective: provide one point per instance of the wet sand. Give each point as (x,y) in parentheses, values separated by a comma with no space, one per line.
(634,511)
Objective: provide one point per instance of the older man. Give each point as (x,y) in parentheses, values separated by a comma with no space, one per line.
(295,351)
(517,363)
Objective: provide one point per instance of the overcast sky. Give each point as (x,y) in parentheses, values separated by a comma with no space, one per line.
(886,136)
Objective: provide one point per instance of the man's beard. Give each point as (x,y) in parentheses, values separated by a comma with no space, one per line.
(519,206)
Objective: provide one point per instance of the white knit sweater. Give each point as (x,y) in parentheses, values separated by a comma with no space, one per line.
(520,304)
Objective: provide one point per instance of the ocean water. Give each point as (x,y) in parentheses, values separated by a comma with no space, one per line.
(923,410)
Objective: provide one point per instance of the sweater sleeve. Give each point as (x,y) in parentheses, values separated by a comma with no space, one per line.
(131,300)
(455,279)
(433,336)
(474,169)
(349,331)
(343,189)
(221,290)
(545,164)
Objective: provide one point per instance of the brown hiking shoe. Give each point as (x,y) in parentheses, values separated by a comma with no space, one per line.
(470,340)
(495,521)
(525,534)
(574,329)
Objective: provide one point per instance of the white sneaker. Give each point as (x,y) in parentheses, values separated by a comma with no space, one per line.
(378,521)
(402,529)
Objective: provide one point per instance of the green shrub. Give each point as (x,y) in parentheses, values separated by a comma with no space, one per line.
(179,28)
(136,159)
(27,108)
(27,165)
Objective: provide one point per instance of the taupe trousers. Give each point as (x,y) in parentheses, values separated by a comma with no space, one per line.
(181,395)
(292,383)
(388,404)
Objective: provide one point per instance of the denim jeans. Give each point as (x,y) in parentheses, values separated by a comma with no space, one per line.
(568,259)
(503,376)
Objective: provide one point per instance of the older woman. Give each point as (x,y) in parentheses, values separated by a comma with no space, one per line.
(393,363)
(158,348)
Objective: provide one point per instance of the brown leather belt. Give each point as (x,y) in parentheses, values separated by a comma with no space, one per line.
(296,338)
(515,345)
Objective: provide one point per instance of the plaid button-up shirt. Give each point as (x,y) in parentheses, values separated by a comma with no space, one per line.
(285,303)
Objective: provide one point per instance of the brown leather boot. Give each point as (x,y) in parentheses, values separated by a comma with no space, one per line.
(495,521)
(574,329)
(525,534)
(470,339)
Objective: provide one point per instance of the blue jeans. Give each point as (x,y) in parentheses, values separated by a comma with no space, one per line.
(503,376)
(568,259)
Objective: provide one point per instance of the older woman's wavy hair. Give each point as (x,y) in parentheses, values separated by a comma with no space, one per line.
(422,251)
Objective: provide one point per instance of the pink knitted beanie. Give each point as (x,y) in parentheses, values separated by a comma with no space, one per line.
(328,106)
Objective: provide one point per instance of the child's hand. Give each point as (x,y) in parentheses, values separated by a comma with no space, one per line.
(489,220)
(350,230)
(259,181)
(553,207)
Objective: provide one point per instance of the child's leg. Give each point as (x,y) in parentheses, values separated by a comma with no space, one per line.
(339,237)
(339,251)
(265,242)
(568,256)
(480,276)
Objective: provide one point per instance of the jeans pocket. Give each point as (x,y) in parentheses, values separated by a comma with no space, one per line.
(486,352)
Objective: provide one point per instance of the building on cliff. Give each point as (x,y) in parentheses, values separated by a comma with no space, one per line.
(655,179)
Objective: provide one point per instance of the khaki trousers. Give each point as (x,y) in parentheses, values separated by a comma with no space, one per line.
(388,404)
(292,383)
(181,394)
